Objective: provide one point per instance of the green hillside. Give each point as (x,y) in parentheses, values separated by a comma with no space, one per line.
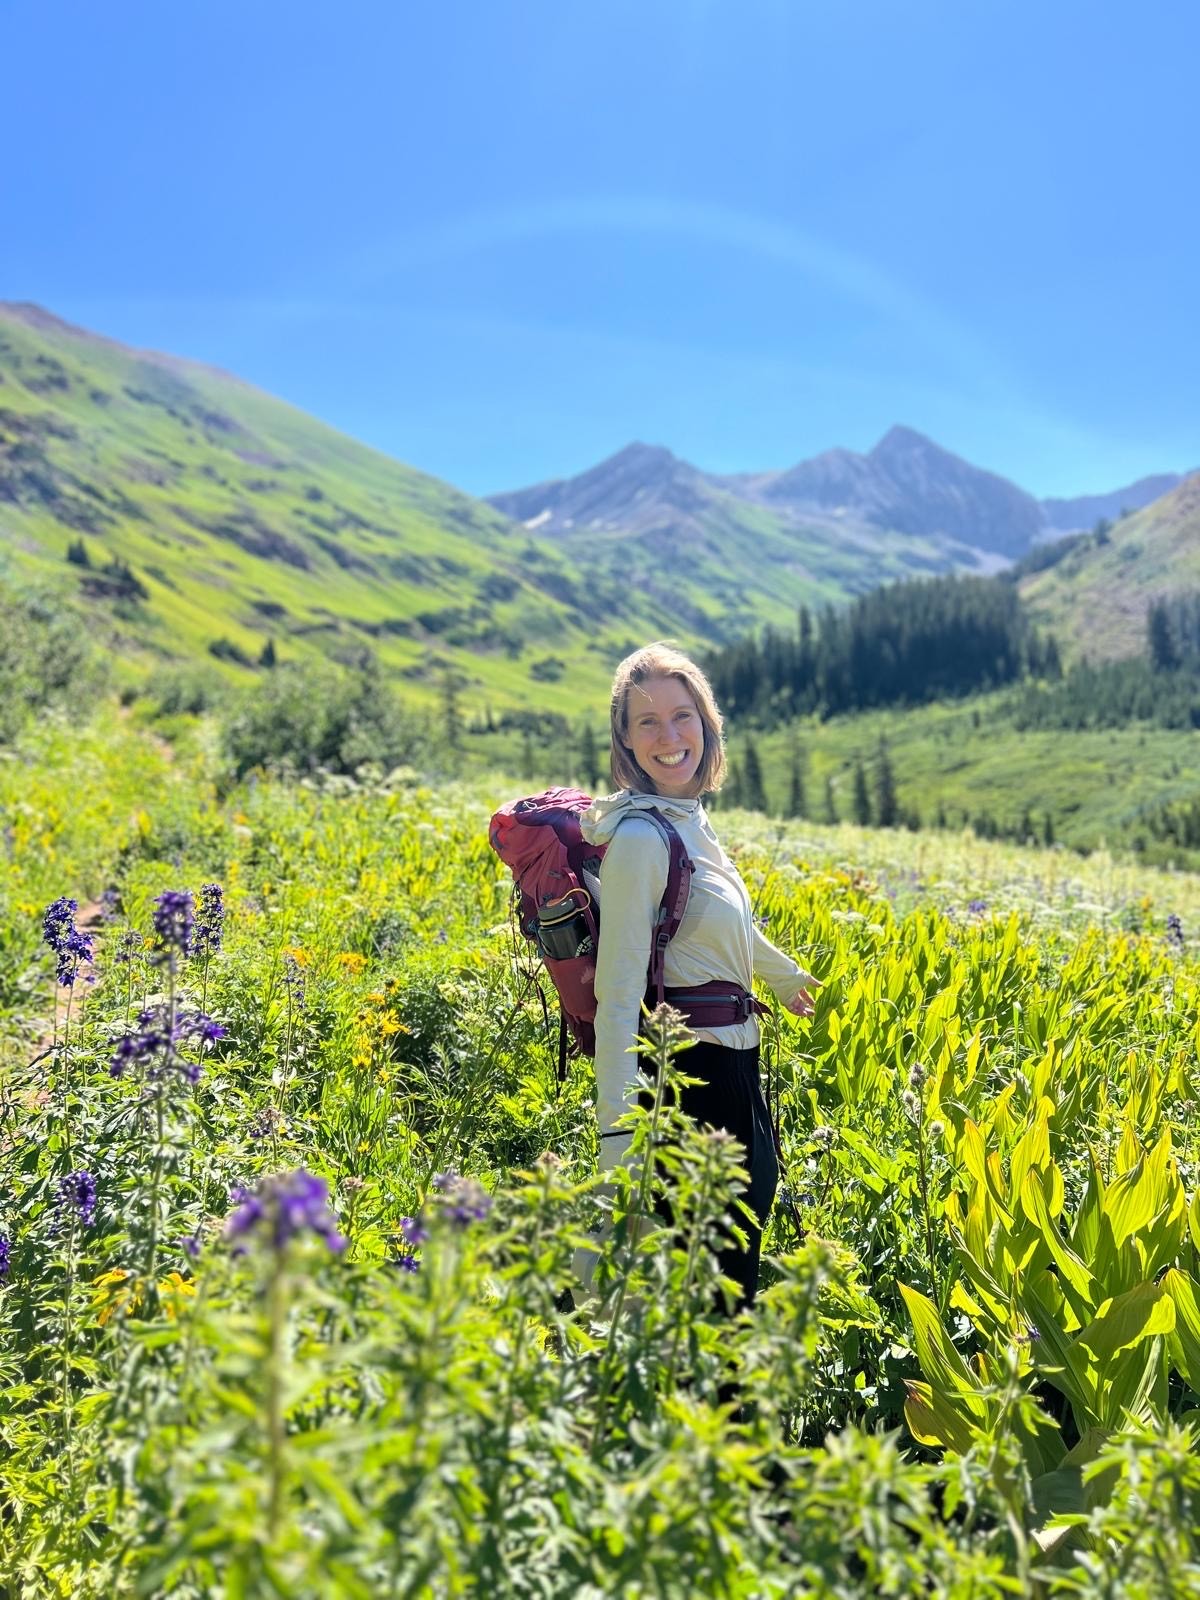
(965,759)
(206,518)
(1095,598)
(240,520)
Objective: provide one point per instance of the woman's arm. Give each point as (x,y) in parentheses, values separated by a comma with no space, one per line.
(789,982)
(633,877)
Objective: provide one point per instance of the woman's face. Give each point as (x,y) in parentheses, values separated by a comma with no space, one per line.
(665,734)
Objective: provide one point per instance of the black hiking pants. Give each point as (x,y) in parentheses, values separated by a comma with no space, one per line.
(730,1096)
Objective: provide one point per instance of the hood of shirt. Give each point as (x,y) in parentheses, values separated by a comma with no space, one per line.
(605,815)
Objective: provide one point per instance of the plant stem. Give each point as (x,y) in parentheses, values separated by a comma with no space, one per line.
(276,1433)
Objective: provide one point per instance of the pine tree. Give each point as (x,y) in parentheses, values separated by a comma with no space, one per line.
(1161,638)
(830,813)
(452,723)
(77,554)
(1047,829)
(862,799)
(887,808)
(733,784)
(588,760)
(267,655)
(796,800)
(755,793)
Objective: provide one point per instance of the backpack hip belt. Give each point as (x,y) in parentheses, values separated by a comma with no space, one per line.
(715,1005)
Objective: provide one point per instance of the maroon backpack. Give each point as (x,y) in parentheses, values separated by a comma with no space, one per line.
(556,872)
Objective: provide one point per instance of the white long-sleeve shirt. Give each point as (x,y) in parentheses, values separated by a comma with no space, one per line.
(717,939)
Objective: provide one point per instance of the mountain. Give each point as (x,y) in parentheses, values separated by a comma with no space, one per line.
(197,518)
(908,500)
(1073,516)
(912,485)
(824,532)
(1096,589)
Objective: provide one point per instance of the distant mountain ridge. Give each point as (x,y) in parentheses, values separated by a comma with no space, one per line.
(199,519)
(907,484)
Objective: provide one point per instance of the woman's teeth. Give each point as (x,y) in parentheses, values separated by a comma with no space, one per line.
(672,761)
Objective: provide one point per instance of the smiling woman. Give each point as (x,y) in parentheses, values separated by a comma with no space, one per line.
(667,751)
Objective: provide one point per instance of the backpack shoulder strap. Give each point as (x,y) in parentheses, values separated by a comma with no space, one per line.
(680,868)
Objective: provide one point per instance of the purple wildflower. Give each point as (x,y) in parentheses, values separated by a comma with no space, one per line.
(463,1200)
(77,1193)
(413,1230)
(110,904)
(1175,930)
(210,920)
(174,921)
(293,981)
(191,1244)
(155,1035)
(283,1207)
(266,1123)
(128,947)
(64,938)
(5,1258)
(977,907)
(407,1262)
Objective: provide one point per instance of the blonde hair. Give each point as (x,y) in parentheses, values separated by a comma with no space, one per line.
(662,660)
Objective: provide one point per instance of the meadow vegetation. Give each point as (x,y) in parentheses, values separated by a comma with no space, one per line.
(290,1195)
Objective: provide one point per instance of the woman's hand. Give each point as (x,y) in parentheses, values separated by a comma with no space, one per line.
(803,1003)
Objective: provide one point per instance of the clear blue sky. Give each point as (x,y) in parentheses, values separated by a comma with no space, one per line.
(500,240)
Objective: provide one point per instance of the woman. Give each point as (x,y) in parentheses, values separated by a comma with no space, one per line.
(667,750)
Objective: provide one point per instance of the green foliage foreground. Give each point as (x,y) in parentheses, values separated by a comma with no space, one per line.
(973,1369)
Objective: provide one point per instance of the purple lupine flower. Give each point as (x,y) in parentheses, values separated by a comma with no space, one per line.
(5,1257)
(191,1244)
(977,907)
(155,1035)
(210,920)
(110,904)
(265,1123)
(283,1207)
(77,1193)
(462,1200)
(64,938)
(407,1262)
(174,920)
(1175,930)
(413,1230)
(293,981)
(128,947)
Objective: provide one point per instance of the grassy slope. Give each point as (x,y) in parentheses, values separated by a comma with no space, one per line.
(222,498)
(966,757)
(1095,600)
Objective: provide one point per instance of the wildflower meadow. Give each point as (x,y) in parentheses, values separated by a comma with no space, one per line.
(291,1197)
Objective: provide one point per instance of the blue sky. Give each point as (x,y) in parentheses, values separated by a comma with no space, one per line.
(501,240)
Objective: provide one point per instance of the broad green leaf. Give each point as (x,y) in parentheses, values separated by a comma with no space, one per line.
(940,1361)
(1128,1319)
(1131,1201)
(1078,1283)
(1185,1337)
(933,1420)
(1055,1353)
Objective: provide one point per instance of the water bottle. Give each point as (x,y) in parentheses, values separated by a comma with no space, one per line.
(563,927)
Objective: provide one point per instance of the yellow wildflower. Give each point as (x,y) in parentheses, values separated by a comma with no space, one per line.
(117,1293)
(376,997)
(174,1292)
(351,960)
(298,955)
(391,1024)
